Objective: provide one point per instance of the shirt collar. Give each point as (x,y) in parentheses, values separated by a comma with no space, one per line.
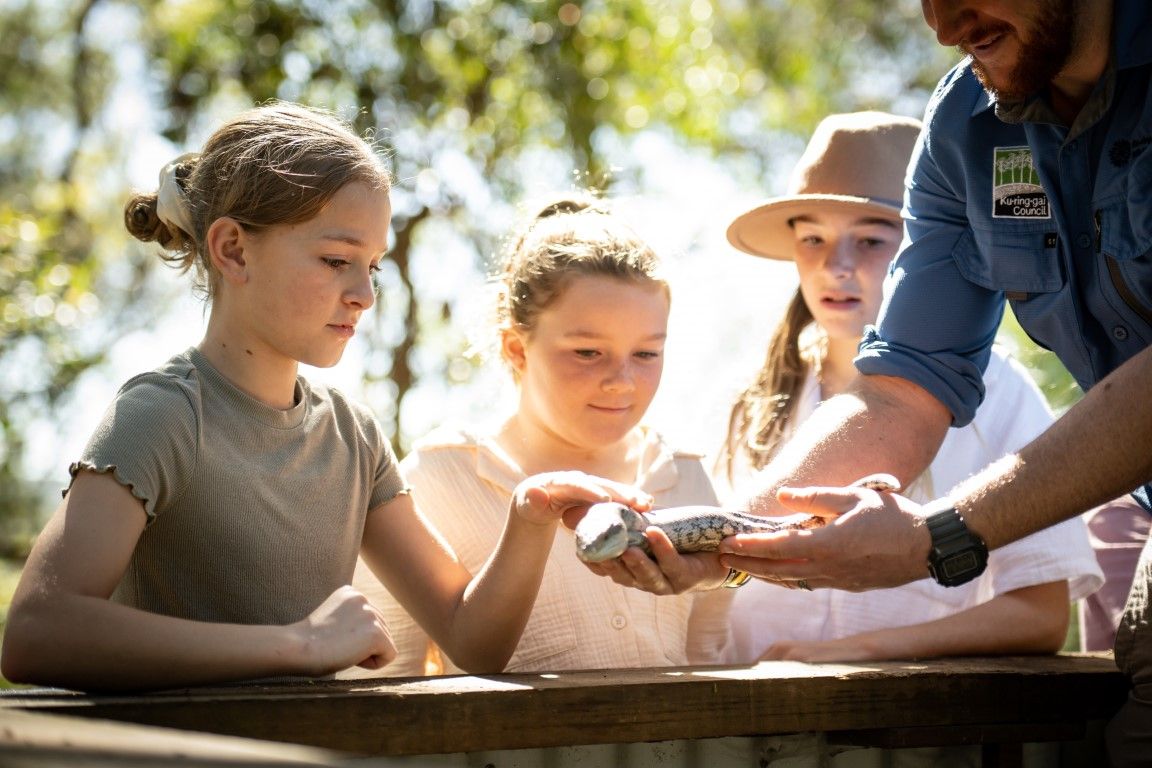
(660,474)
(985,101)
(1037,109)
(496,467)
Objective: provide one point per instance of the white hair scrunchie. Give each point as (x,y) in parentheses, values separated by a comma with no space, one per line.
(171,204)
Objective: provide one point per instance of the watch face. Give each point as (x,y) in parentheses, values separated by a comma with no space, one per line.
(959,565)
(957,555)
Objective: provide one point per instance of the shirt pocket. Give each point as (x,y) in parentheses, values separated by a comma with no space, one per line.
(1124,235)
(1125,218)
(1020,259)
(1121,237)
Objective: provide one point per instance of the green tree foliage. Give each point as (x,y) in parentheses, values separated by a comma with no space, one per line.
(59,268)
(1053,378)
(466,95)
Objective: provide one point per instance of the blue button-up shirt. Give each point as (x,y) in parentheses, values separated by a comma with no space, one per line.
(1004,203)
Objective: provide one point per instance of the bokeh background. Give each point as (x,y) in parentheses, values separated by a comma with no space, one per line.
(683,112)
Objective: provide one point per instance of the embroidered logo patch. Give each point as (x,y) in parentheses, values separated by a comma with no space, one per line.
(1016,189)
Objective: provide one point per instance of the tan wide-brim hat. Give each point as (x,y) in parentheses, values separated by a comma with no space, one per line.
(854,161)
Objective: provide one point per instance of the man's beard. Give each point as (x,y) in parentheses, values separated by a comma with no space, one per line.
(1041,58)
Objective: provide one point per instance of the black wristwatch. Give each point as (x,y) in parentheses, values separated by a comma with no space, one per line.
(957,555)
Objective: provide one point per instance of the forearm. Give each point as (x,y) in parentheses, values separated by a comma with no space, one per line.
(1023,621)
(63,629)
(498,601)
(1096,452)
(709,626)
(89,643)
(881,424)
(475,619)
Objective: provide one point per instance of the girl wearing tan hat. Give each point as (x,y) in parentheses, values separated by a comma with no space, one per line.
(840,225)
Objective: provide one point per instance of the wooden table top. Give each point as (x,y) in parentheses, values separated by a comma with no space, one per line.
(407,716)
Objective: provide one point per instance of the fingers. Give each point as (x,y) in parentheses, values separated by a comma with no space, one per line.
(875,538)
(382,657)
(557,495)
(829,501)
(572,516)
(672,573)
(700,570)
(818,651)
(558,490)
(881,481)
(568,495)
(799,575)
(346,630)
(643,573)
(384,651)
(662,547)
(379,660)
(537,496)
(627,494)
(779,652)
(784,558)
(636,570)
(580,487)
(821,501)
(797,650)
(781,546)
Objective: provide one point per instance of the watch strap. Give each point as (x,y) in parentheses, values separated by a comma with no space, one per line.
(957,555)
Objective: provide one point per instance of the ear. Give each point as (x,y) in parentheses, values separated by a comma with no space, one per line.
(512,348)
(226,240)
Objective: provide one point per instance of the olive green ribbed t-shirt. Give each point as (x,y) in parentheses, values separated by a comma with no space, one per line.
(255,514)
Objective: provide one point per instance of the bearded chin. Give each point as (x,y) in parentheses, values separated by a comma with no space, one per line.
(1041,59)
(986,80)
(1028,78)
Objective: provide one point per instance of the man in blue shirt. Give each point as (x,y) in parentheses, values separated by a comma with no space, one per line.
(1031,184)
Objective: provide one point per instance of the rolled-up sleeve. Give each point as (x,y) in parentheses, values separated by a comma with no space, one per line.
(935,328)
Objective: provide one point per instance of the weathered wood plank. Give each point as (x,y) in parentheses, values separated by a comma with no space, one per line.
(466,714)
(32,739)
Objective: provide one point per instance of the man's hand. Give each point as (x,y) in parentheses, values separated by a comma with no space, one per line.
(872,540)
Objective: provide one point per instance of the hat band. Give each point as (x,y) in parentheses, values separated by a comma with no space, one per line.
(847,197)
(885,201)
